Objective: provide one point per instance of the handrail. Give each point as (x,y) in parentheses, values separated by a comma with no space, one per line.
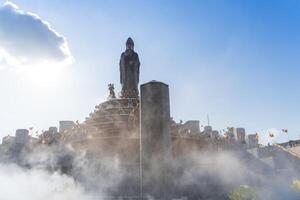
(287,150)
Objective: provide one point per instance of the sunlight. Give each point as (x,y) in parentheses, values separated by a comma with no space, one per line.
(47,74)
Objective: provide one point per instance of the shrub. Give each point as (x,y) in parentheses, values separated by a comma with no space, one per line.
(243,192)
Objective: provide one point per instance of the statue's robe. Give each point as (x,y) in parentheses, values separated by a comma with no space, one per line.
(129,74)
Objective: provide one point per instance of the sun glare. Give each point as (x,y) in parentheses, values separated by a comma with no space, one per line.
(45,75)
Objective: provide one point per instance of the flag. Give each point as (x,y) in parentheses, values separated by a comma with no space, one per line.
(285,130)
(271,135)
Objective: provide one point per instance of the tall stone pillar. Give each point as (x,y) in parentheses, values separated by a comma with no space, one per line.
(155,140)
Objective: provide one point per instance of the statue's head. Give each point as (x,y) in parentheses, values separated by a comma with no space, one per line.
(129,43)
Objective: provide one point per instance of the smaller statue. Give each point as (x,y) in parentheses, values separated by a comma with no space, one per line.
(111,89)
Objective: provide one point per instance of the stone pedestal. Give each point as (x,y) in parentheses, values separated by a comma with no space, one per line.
(155,140)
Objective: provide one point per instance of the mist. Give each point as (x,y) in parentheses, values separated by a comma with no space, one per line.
(35,184)
(42,174)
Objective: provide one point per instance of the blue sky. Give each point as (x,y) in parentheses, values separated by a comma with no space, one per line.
(236,60)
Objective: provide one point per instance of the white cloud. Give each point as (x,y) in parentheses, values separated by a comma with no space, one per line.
(27,40)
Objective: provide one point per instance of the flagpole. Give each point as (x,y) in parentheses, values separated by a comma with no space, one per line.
(287,133)
(207,119)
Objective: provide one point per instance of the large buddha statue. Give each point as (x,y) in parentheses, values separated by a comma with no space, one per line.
(129,71)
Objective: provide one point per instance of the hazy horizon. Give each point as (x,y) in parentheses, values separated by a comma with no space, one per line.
(234,60)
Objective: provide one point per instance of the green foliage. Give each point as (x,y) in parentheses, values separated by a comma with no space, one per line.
(243,193)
